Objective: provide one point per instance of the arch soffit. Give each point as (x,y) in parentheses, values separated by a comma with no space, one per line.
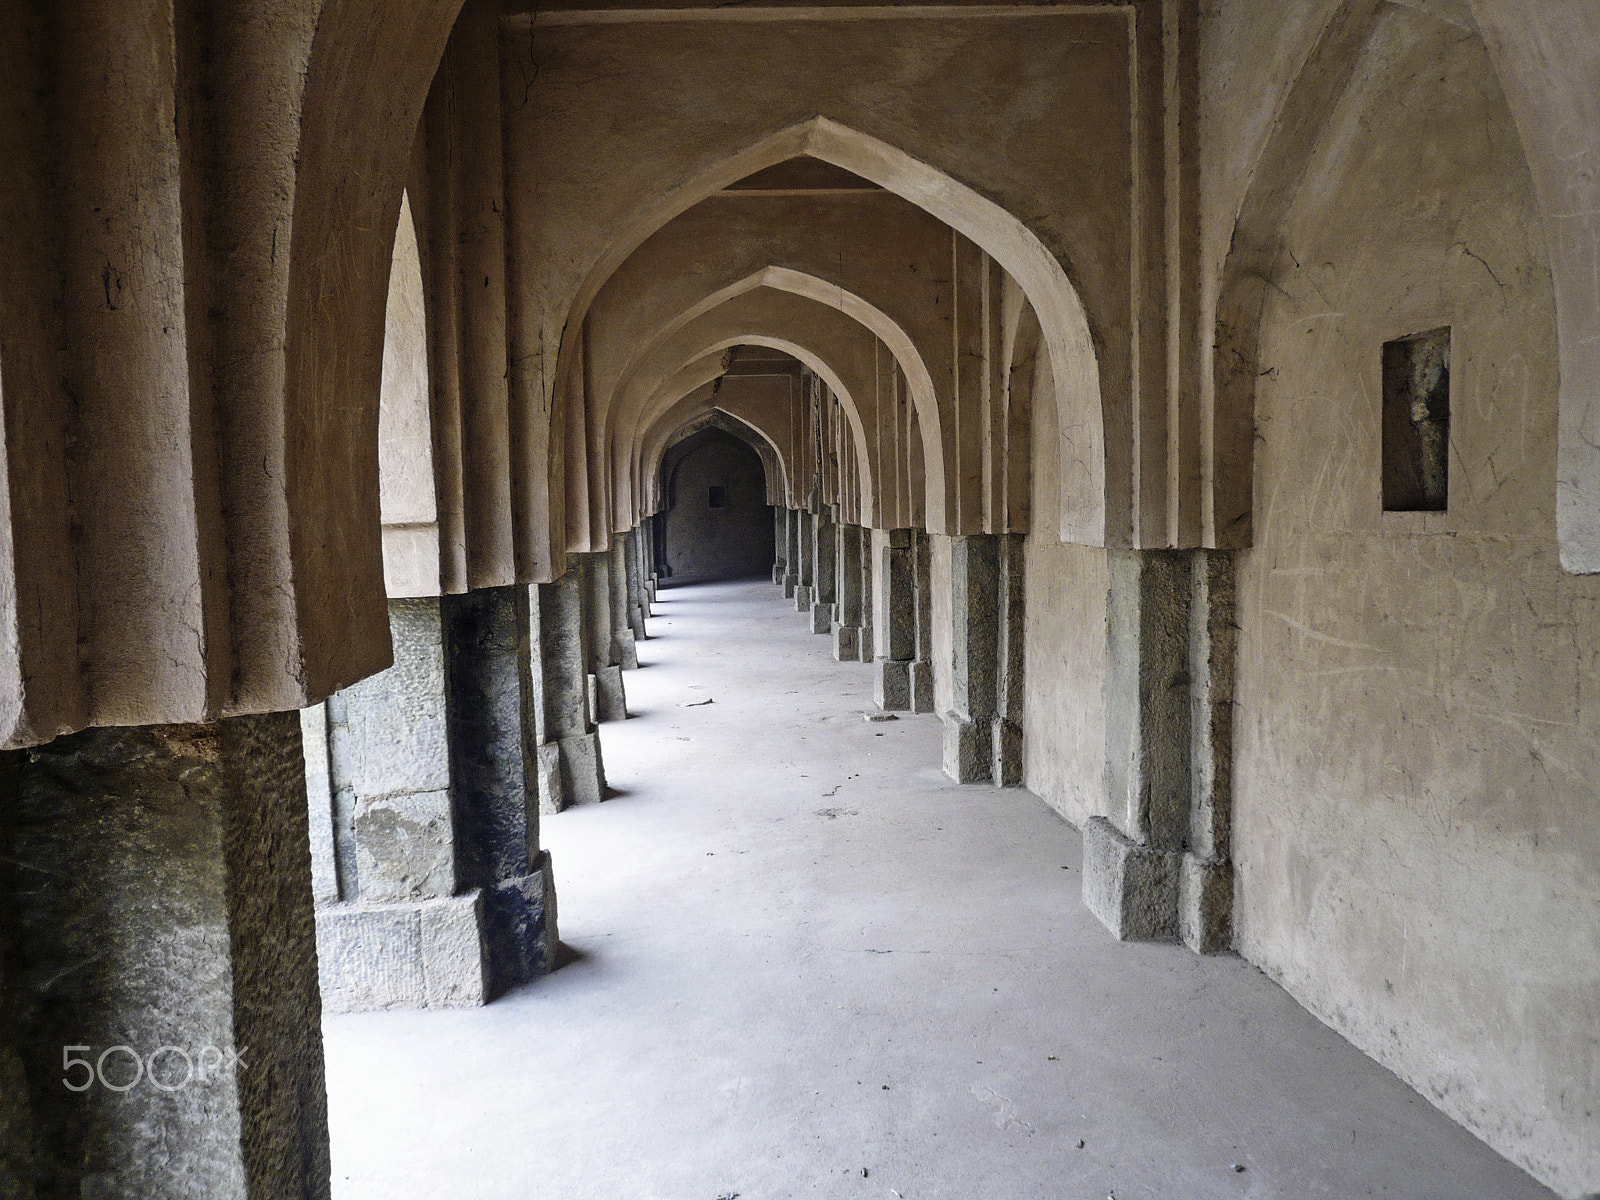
(671,391)
(730,423)
(724,327)
(919,382)
(1086,513)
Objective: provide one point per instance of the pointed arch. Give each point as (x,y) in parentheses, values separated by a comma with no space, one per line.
(1094,470)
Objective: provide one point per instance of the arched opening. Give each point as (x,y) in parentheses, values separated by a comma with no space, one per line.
(715,522)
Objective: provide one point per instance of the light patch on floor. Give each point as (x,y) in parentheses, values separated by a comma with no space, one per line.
(808,965)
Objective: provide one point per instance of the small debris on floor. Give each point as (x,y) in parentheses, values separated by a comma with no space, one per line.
(864,1172)
(831,813)
(729,1196)
(870,715)
(1050,1058)
(696,703)
(1238,1168)
(1080,1143)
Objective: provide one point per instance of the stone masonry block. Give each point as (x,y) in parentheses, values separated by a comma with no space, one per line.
(891,685)
(611,700)
(547,768)
(846,643)
(966,749)
(822,618)
(1205,905)
(415,954)
(1132,889)
(921,686)
(583,773)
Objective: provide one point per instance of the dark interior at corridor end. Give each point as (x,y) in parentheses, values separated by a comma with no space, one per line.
(1144,458)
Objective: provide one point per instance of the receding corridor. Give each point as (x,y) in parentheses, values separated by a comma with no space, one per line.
(807,964)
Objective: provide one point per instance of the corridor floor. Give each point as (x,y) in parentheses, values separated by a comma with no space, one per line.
(807,965)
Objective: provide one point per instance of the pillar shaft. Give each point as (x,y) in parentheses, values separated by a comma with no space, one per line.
(1157,866)
(780,542)
(608,700)
(922,660)
(847,628)
(622,633)
(158,902)
(792,543)
(897,639)
(570,768)
(823,564)
(974,593)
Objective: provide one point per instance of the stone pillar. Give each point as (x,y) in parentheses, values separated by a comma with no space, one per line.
(780,542)
(792,551)
(570,769)
(634,576)
(1205,885)
(847,630)
(607,699)
(1158,866)
(806,524)
(969,725)
(652,528)
(1010,639)
(622,633)
(396,927)
(865,640)
(823,565)
(897,640)
(164,1021)
(922,588)
(496,798)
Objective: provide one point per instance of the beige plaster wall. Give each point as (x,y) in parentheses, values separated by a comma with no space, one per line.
(1064,646)
(1417,833)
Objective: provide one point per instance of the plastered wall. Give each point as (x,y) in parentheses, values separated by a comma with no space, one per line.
(1065,585)
(1417,831)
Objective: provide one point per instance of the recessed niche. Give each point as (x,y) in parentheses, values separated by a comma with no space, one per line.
(1416,423)
(718,497)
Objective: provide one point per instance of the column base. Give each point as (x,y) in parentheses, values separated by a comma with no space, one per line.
(519,927)
(777,573)
(967,753)
(846,643)
(864,645)
(1205,905)
(802,597)
(622,641)
(571,772)
(636,615)
(611,700)
(921,686)
(822,618)
(1131,889)
(410,954)
(891,684)
(1006,753)
(591,698)
(790,582)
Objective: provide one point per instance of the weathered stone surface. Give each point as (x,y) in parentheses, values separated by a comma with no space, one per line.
(520,926)
(921,677)
(1131,889)
(891,684)
(611,697)
(547,768)
(1005,746)
(583,772)
(967,748)
(846,644)
(821,618)
(802,598)
(1205,905)
(625,649)
(159,881)
(417,954)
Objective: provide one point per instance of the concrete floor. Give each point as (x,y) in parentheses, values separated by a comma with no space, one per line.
(809,965)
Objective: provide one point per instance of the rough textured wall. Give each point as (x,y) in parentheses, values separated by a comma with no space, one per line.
(719,543)
(1065,585)
(943,648)
(1416,833)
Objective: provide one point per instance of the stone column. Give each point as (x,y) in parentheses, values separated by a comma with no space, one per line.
(969,725)
(1158,867)
(622,631)
(865,641)
(1010,646)
(607,699)
(396,927)
(570,768)
(780,542)
(806,524)
(494,792)
(897,640)
(161,946)
(822,567)
(847,630)
(633,575)
(792,551)
(922,662)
